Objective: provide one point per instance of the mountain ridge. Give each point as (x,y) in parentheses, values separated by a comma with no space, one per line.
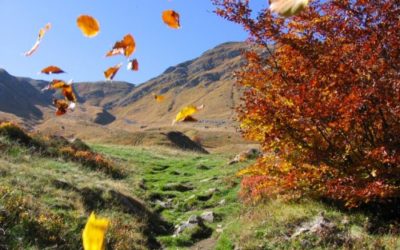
(207,79)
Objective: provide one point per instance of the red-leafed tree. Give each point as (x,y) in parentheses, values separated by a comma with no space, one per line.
(323,97)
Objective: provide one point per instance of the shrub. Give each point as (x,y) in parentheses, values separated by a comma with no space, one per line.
(322,92)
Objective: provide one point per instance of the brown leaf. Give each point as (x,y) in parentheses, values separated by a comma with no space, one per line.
(133,65)
(66,89)
(124,47)
(171,18)
(61,106)
(89,26)
(112,71)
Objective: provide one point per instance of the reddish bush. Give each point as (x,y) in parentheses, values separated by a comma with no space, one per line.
(323,91)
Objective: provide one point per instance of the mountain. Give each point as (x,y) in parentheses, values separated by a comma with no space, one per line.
(20,98)
(208,79)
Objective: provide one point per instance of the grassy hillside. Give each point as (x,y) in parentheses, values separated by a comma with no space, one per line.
(49,186)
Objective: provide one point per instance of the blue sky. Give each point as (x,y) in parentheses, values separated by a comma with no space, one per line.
(157,46)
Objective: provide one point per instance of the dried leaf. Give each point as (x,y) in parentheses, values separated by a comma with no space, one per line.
(171,18)
(124,47)
(52,70)
(94,233)
(133,65)
(112,71)
(287,8)
(61,106)
(42,32)
(89,26)
(66,89)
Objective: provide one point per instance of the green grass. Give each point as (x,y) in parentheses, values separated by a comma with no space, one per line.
(158,167)
(48,199)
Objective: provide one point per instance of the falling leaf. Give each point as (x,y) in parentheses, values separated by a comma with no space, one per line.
(124,47)
(158,98)
(287,8)
(66,89)
(52,70)
(171,18)
(186,113)
(42,32)
(61,106)
(133,65)
(94,233)
(89,26)
(112,71)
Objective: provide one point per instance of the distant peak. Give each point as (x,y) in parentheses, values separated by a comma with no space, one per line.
(3,72)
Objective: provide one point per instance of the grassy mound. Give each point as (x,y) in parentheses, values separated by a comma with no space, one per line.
(56,146)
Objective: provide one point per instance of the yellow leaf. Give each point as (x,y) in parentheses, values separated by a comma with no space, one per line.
(186,113)
(94,232)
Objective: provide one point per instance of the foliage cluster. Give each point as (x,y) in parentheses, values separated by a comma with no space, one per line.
(322,91)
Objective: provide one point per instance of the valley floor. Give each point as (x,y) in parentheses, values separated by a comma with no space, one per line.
(45,201)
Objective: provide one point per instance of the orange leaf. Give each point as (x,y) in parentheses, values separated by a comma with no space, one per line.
(159,98)
(124,47)
(112,71)
(89,26)
(66,89)
(171,18)
(52,70)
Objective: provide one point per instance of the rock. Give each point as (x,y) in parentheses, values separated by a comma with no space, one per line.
(219,229)
(212,190)
(208,216)
(198,229)
(164,204)
(319,226)
(192,222)
(252,153)
(222,202)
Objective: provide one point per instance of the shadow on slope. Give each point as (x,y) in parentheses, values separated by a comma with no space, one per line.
(181,141)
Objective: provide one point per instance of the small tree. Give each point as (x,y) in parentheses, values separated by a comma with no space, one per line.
(323,93)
